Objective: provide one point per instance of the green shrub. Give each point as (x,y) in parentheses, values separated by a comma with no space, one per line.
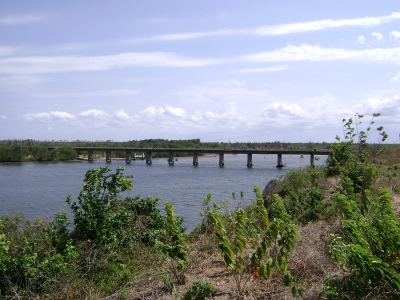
(257,242)
(199,290)
(29,261)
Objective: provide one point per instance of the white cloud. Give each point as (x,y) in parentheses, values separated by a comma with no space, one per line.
(361,39)
(93,113)
(281,29)
(324,24)
(377,35)
(122,114)
(13,20)
(3,117)
(175,111)
(395,34)
(49,116)
(54,64)
(279,109)
(388,106)
(306,52)
(263,70)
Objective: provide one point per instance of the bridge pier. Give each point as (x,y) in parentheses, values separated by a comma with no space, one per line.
(171,158)
(90,155)
(195,159)
(221,159)
(280,164)
(312,160)
(108,156)
(128,157)
(249,160)
(148,158)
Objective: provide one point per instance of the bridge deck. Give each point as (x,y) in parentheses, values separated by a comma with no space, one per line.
(206,151)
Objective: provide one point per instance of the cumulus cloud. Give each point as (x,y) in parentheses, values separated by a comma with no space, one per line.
(388,106)
(93,113)
(175,111)
(56,64)
(122,114)
(3,117)
(279,109)
(377,35)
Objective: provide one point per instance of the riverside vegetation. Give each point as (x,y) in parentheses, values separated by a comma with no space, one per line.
(329,232)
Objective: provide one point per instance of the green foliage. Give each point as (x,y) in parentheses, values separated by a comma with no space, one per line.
(302,192)
(175,245)
(257,241)
(351,160)
(368,246)
(199,290)
(95,216)
(29,263)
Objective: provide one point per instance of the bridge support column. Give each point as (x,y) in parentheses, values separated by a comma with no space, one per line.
(312,160)
(171,158)
(195,159)
(280,164)
(128,157)
(90,155)
(134,156)
(249,160)
(108,156)
(221,159)
(148,158)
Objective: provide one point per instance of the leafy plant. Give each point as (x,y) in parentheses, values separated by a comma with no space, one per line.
(175,245)
(368,246)
(258,243)
(199,290)
(29,263)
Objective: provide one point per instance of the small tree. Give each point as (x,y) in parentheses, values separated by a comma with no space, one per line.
(258,243)
(92,217)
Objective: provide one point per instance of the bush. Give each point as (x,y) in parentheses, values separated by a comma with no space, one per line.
(29,262)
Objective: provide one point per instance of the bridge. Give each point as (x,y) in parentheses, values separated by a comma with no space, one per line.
(147,153)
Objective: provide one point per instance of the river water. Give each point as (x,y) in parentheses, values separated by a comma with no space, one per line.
(39,190)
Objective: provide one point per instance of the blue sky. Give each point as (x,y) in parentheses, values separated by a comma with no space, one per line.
(215,70)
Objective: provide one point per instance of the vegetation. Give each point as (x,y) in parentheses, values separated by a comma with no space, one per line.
(256,244)
(125,247)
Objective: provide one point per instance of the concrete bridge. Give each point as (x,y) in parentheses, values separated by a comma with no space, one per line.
(147,153)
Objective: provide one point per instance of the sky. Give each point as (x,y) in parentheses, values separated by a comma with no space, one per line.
(238,71)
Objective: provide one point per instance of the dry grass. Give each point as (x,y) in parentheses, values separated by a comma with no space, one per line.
(309,263)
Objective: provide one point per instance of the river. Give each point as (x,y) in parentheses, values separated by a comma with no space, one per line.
(39,190)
